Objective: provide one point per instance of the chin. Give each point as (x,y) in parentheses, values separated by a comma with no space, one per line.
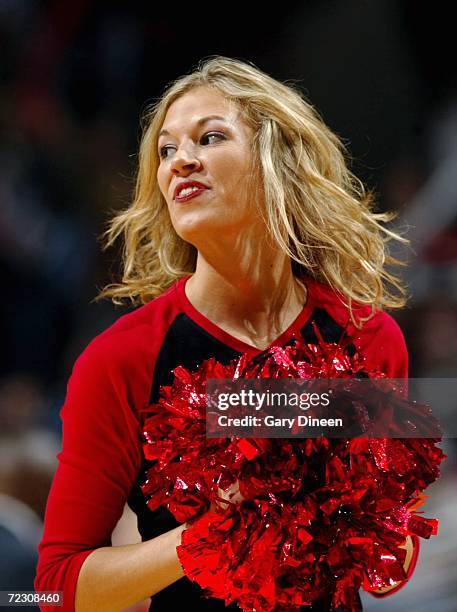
(190,229)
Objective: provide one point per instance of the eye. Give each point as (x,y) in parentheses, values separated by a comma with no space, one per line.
(211,134)
(163,150)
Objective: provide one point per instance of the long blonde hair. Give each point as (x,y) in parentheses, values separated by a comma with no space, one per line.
(316,210)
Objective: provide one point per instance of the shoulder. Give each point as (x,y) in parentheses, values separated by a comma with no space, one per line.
(379,324)
(383,344)
(380,338)
(125,353)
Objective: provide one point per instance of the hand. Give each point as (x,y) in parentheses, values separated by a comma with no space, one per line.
(409,547)
(232,495)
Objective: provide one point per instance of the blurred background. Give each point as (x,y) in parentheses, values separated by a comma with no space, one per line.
(74,79)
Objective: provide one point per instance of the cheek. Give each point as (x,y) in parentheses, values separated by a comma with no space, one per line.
(163,176)
(239,184)
(160,180)
(233,172)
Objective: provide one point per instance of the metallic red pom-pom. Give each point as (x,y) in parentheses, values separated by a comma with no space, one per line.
(319,516)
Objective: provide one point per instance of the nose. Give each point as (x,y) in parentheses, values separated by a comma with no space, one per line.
(184,159)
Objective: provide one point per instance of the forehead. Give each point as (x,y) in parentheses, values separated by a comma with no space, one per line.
(198,103)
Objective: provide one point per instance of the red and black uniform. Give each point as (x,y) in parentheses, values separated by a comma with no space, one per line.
(101,465)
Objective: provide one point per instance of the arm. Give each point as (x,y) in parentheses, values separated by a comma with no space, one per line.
(385,347)
(113,578)
(100,460)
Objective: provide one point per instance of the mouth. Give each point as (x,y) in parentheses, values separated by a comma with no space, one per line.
(192,194)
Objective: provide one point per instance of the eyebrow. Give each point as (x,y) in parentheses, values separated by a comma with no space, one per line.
(199,122)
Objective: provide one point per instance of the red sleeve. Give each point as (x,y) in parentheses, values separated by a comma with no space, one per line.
(382,342)
(98,464)
(384,346)
(380,339)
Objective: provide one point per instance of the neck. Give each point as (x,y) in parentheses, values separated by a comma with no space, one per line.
(253,298)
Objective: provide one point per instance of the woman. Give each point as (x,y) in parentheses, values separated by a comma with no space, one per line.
(246,227)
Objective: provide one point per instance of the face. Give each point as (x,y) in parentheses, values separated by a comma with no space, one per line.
(216,152)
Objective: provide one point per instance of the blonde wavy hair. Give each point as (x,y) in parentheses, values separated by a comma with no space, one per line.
(316,210)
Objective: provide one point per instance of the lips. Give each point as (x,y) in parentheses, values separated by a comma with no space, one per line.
(189,196)
(184,184)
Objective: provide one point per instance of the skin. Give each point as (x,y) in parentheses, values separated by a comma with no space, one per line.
(247,280)
(241,282)
(409,547)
